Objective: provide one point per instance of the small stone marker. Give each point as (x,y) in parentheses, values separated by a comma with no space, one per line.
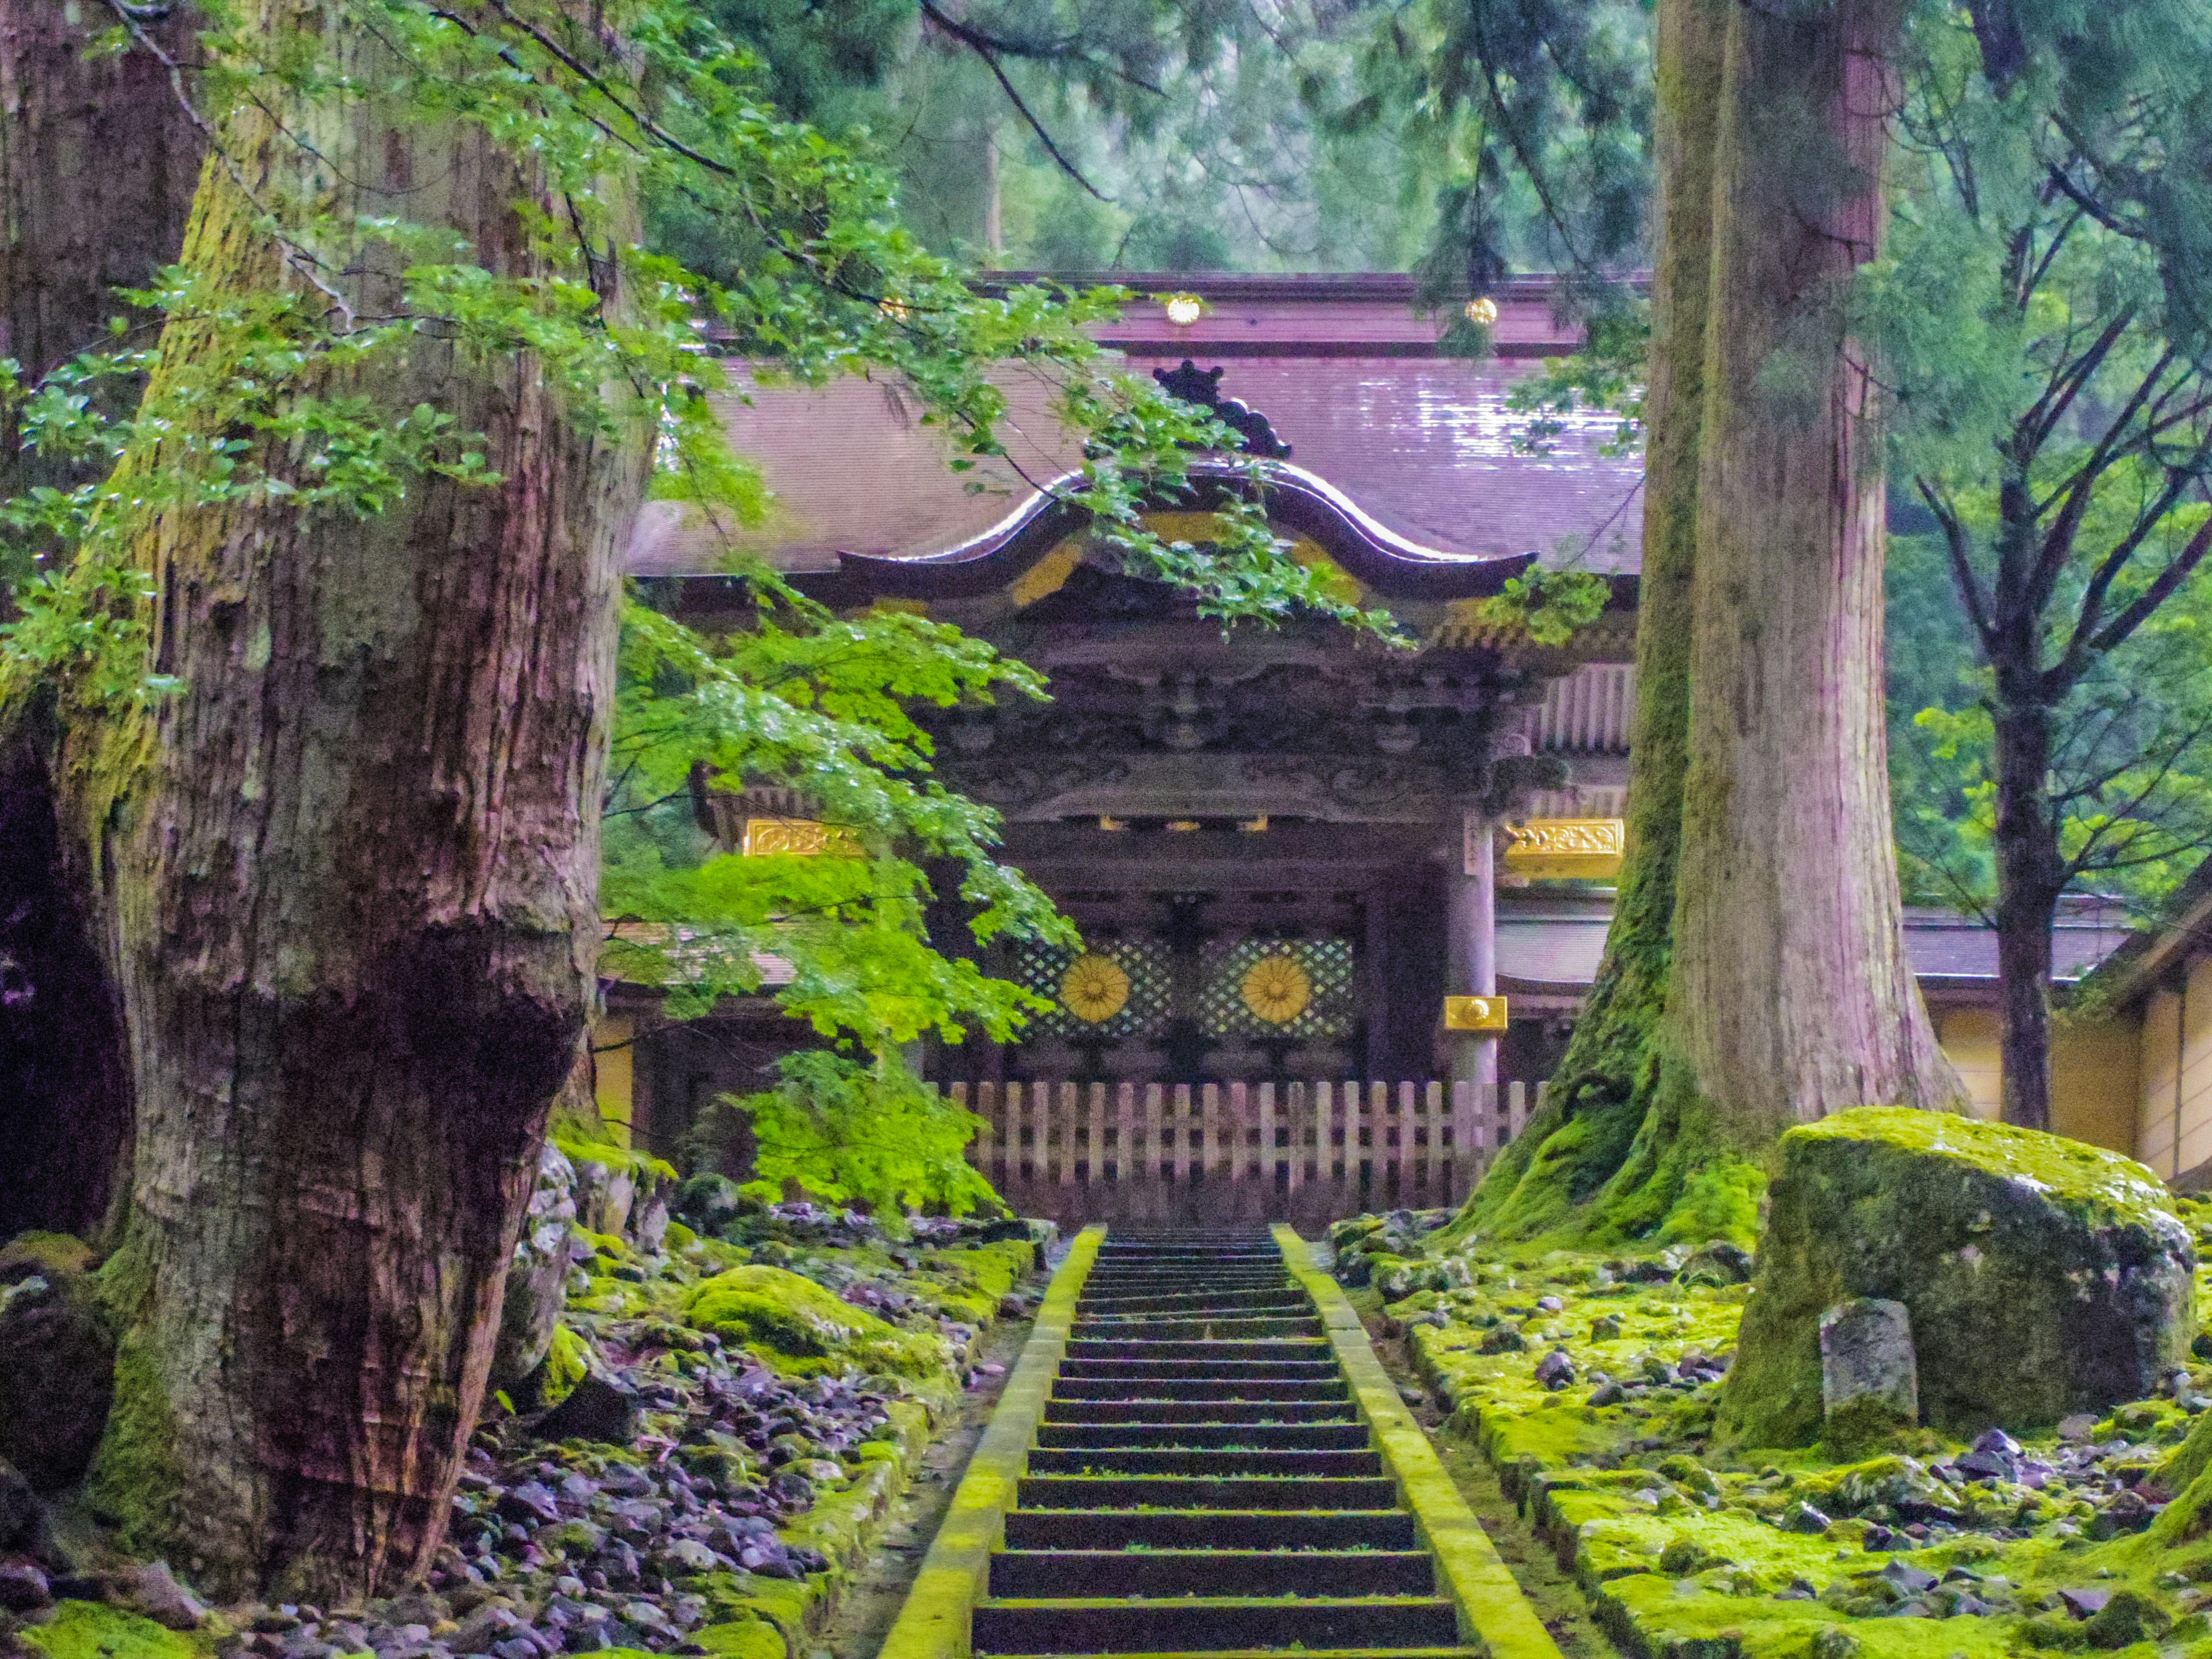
(1866,1354)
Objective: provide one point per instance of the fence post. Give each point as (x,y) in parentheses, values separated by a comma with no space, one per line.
(1151,1166)
(1095,1132)
(1236,1123)
(1179,1130)
(1517,1110)
(1267,1163)
(1294,1119)
(1125,1131)
(1209,1131)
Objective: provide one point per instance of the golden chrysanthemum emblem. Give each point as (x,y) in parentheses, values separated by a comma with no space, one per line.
(1277,989)
(1094,989)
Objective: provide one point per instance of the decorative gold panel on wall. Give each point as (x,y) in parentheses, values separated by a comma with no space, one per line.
(1566,849)
(804,836)
(1474,1013)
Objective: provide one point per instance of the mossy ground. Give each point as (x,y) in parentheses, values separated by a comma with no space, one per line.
(1682,1543)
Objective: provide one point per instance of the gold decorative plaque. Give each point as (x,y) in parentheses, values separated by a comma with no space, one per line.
(1276,989)
(1474,1013)
(1094,989)
(1566,849)
(765,837)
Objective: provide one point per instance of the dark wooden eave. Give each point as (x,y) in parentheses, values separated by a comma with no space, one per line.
(1386,564)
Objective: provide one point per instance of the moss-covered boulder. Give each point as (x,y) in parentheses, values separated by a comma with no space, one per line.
(57,1360)
(801,1328)
(2042,1277)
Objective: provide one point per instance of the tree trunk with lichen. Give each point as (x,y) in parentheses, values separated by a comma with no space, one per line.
(97,159)
(1754,975)
(353,865)
(1604,1082)
(1793,997)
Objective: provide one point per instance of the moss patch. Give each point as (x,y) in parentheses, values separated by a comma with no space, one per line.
(802,1329)
(93,1630)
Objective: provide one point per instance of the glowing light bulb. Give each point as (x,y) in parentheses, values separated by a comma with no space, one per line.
(1184,309)
(1482,310)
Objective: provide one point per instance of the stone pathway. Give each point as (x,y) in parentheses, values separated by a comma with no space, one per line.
(1202,1481)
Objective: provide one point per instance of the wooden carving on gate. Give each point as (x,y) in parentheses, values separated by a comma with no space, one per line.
(1202,386)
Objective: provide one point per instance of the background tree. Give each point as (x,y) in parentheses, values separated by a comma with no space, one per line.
(2040,316)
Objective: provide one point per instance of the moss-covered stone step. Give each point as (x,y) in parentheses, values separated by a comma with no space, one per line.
(1339,1410)
(1221,1529)
(1136,1491)
(1179,1385)
(1272,1350)
(1277,1436)
(1207,1462)
(1212,1572)
(1196,1624)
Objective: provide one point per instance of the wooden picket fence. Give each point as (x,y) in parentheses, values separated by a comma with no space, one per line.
(1303,1152)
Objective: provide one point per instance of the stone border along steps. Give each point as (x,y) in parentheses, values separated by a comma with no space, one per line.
(1200,1452)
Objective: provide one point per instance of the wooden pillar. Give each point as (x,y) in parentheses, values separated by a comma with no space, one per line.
(1473,922)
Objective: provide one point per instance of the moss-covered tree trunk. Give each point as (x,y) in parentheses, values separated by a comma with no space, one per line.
(1603,1085)
(1793,997)
(97,163)
(353,869)
(1754,975)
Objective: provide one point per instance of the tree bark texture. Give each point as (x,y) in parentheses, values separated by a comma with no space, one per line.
(2031,875)
(97,159)
(1603,1083)
(353,869)
(98,163)
(1792,996)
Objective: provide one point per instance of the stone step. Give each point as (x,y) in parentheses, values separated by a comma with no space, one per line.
(1042,1573)
(1229,1492)
(1274,1437)
(1199,1370)
(1226,1411)
(1284,1350)
(1121,1386)
(1194,1624)
(1234,1327)
(1196,1302)
(1196,1529)
(1205,1463)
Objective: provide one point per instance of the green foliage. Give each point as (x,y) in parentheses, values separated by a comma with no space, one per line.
(2038,312)
(875,1134)
(1548,604)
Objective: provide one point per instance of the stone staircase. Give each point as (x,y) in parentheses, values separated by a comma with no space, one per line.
(1202,1481)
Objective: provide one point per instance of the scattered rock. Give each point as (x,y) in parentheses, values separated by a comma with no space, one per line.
(1719,1263)
(2078,1427)
(2084,1603)
(56,1365)
(2125,1619)
(153,1591)
(537,1275)
(1555,1370)
(1867,1369)
(1803,1517)
(23,1587)
(2054,1254)
(598,1408)
(1606,1328)
(22,1518)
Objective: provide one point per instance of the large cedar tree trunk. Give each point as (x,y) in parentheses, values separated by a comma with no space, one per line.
(1604,1079)
(97,163)
(1792,996)
(355,874)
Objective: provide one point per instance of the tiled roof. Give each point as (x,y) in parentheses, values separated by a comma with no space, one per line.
(1559,945)
(1421,443)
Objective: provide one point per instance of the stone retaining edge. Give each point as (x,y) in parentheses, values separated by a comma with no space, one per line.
(934,1623)
(1493,1614)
